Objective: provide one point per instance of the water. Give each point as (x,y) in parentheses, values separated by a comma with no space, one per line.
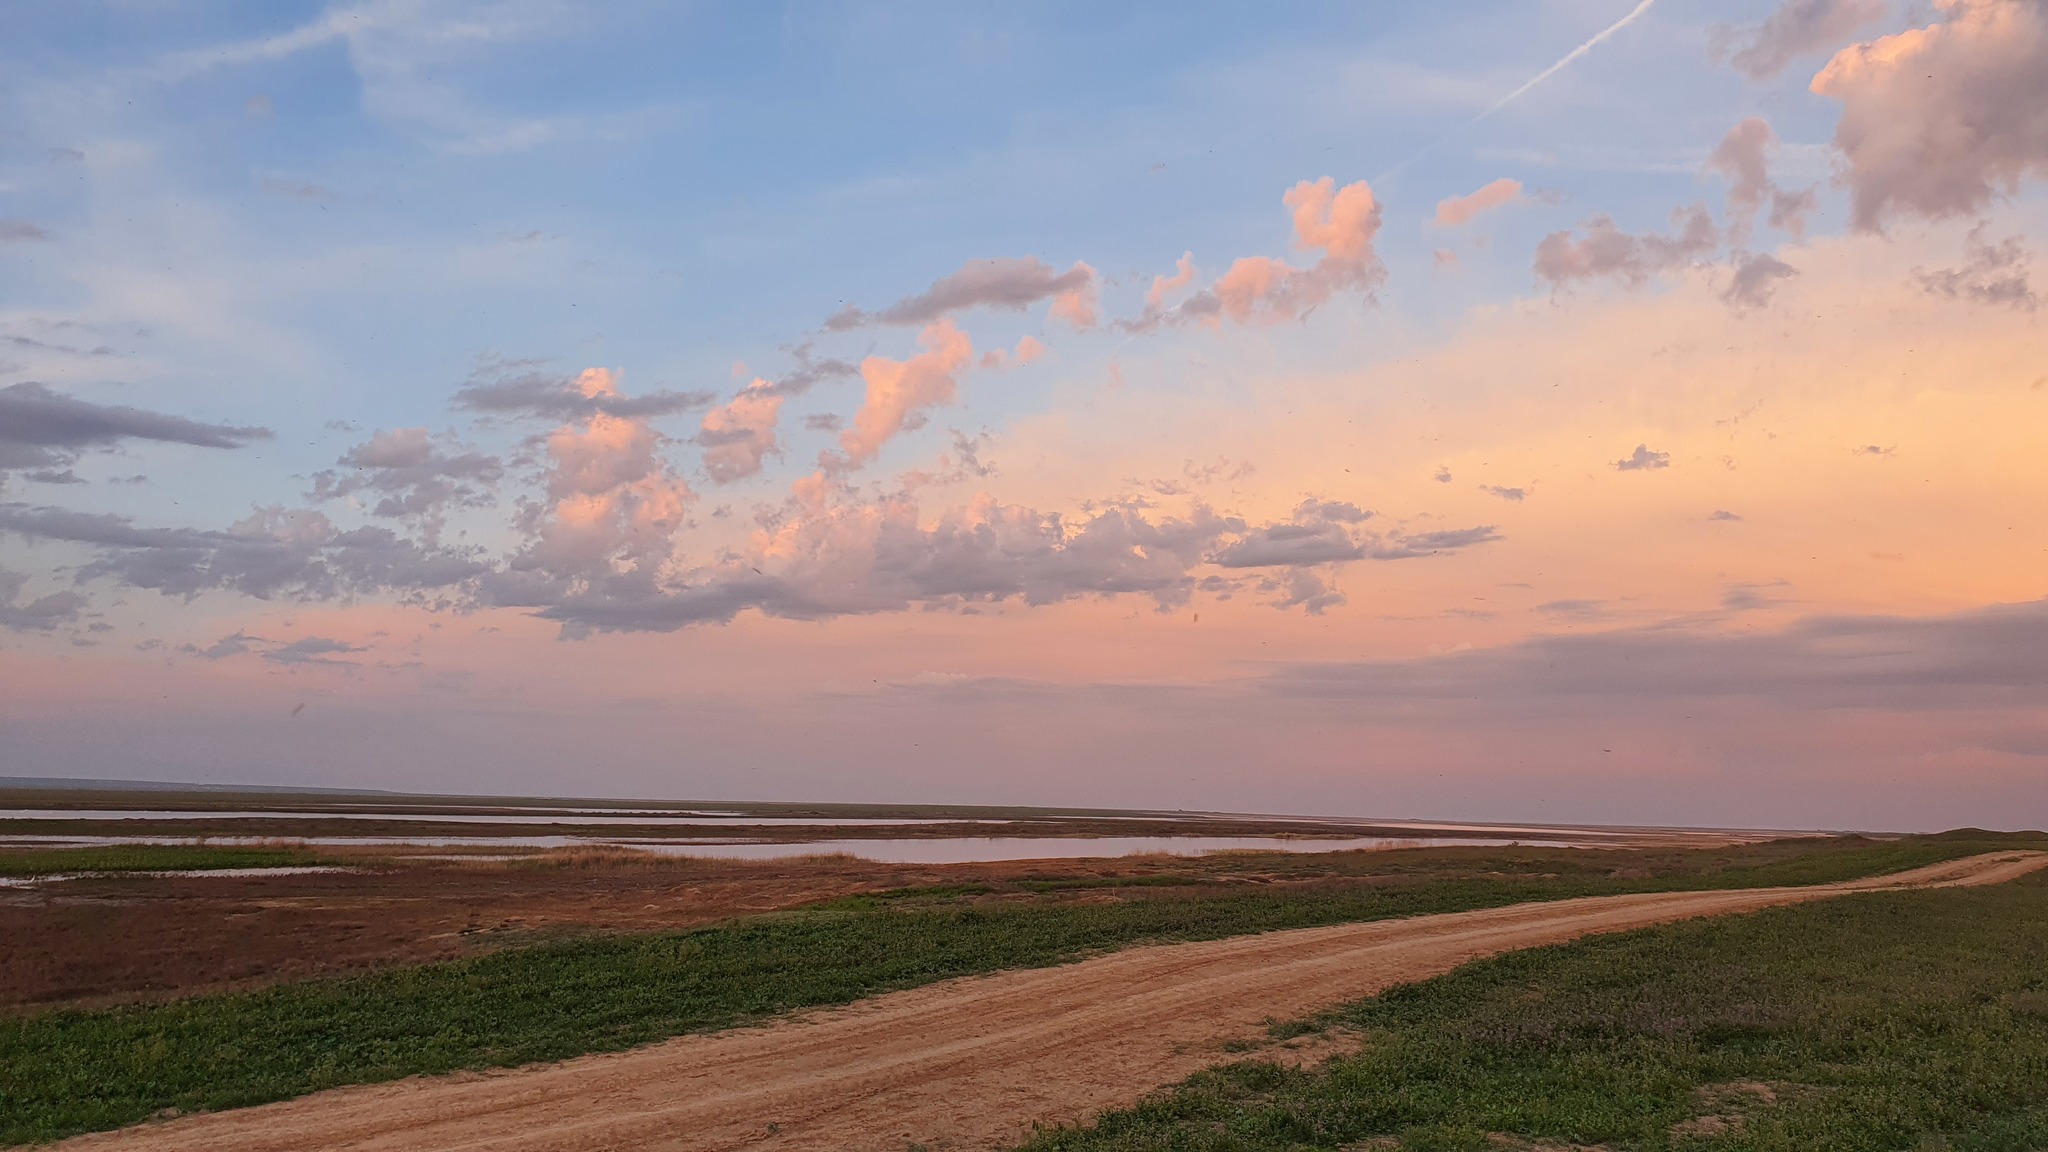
(51,878)
(985,849)
(667,820)
(946,850)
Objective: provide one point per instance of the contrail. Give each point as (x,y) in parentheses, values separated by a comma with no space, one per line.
(1517,94)
(1574,54)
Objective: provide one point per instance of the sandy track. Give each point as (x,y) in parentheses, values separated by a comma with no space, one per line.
(968,1063)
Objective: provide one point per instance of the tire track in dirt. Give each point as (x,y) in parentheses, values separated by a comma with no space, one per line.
(968,1063)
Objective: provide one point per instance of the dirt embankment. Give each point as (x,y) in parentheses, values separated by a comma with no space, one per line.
(117,938)
(964,1064)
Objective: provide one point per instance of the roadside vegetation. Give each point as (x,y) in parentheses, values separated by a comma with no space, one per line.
(1914,1020)
(148,858)
(69,1070)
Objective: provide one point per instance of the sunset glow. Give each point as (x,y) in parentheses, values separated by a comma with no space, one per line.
(1158,409)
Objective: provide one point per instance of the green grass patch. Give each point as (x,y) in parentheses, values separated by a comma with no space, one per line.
(887,896)
(1080,883)
(69,1071)
(147,858)
(1886,1021)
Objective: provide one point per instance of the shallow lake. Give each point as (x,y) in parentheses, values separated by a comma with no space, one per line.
(945,850)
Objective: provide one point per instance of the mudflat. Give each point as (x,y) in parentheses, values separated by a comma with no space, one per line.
(970,1063)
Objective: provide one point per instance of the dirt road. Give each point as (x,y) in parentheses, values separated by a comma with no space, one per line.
(964,1064)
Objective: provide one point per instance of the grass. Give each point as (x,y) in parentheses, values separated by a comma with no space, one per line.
(69,1071)
(146,858)
(888,896)
(1076,883)
(1894,1021)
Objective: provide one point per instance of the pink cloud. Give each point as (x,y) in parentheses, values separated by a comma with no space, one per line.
(899,390)
(1162,286)
(614,503)
(739,435)
(1028,348)
(1605,251)
(1743,156)
(1936,121)
(1077,305)
(1339,222)
(1459,210)
(1797,28)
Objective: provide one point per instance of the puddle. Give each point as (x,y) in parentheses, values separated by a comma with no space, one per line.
(987,849)
(582,816)
(937,850)
(54,877)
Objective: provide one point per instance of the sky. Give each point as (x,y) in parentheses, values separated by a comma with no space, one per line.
(1624,411)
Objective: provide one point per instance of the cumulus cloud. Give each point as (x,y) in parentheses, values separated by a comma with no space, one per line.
(1077,305)
(828,553)
(1460,210)
(1003,283)
(1606,252)
(1341,223)
(1307,541)
(275,552)
(520,388)
(1992,274)
(1164,286)
(613,506)
(811,371)
(1937,121)
(1642,460)
(42,614)
(1029,348)
(602,552)
(1743,157)
(1325,532)
(1307,590)
(414,477)
(1798,28)
(830,556)
(43,428)
(899,392)
(1156,313)
(740,434)
(1756,277)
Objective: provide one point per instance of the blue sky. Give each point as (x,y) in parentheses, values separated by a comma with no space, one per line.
(669,189)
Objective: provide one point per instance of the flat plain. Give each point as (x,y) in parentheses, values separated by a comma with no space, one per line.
(161,981)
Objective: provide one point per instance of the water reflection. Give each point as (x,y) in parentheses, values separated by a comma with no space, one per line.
(946,850)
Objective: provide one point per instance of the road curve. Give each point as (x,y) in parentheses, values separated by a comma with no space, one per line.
(968,1063)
